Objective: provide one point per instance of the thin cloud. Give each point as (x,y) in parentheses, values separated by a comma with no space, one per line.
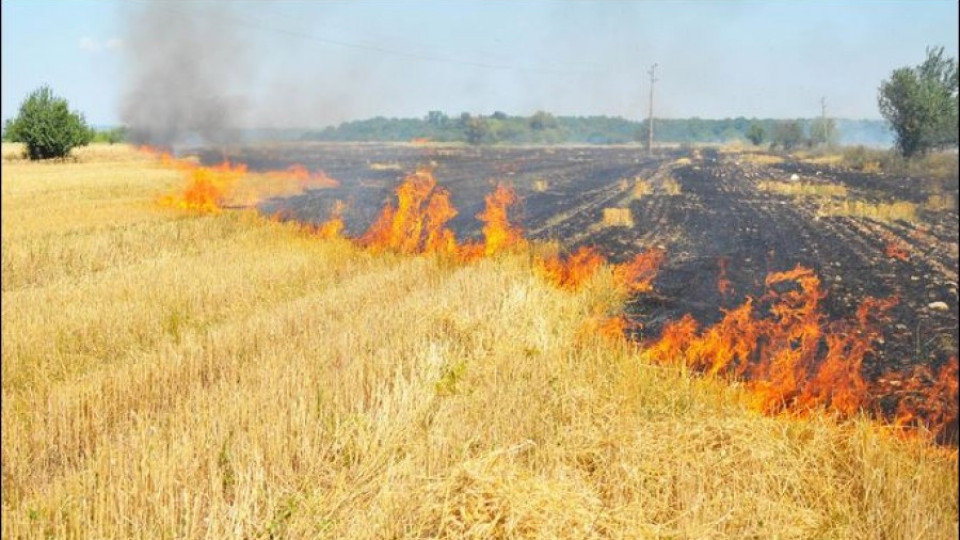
(90,45)
(94,46)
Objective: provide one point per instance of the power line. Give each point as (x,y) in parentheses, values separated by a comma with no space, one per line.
(221,18)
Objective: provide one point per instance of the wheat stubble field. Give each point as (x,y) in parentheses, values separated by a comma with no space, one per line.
(169,374)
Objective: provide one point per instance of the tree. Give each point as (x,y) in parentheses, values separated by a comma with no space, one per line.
(478,130)
(787,134)
(47,126)
(437,119)
(542,120)
(756,134)
(920,104)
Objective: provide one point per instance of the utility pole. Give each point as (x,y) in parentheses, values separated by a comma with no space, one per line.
(653,79)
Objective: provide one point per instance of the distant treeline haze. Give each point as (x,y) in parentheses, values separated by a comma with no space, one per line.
(544,128)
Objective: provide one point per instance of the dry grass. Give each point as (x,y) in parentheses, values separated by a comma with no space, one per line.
(935,165)
(375,166)
(167,375)
(802,189)
(641,188)
(895,211)
(670,186)
(617,217)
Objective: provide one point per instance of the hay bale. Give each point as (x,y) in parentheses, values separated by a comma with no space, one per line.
(617,217)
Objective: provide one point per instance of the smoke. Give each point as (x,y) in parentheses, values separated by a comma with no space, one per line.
(183,67)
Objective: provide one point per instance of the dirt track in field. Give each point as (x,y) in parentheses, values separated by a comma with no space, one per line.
(718,221)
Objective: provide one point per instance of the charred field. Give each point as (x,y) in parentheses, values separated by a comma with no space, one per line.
(723,228)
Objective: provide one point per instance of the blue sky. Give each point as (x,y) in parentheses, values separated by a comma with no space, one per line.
(318,63)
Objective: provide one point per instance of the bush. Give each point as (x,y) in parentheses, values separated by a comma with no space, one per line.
(47,127)
(920,103)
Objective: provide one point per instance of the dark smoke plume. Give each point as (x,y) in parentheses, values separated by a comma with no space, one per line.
(182,64)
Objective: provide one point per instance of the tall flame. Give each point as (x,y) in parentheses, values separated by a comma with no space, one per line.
(417,224)
(499,234)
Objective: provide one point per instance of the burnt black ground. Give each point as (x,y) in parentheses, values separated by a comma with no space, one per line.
(718,214)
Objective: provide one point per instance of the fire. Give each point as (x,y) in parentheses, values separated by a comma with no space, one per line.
(794,361)
(499,234)
(778,354)
(573,272)
(418,223)
(637,275)
(208,188)
(333,227)
(895,250)
(724,286)
(924,399)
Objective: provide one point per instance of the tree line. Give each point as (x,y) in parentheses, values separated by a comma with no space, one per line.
(919,105)
(545,128)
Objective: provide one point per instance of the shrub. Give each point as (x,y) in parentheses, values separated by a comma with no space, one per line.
(47,127)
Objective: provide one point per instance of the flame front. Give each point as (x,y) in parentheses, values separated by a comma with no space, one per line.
(333,227)
(210,189)
(792,359)
(570,273)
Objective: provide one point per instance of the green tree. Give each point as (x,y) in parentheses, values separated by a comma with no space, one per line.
(478,130)
(47,126)
(920,104)
(756,134)
(787,134)
(542,120)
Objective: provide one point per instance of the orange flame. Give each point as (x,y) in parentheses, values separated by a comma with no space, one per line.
(637,275)
(333,227)
(573,272)
(925,400)
(895,250)
(499,234)
(724,286)
(207,188)
(418,223)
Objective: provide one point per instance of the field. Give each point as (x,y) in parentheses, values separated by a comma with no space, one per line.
(170,373)
(720,217)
